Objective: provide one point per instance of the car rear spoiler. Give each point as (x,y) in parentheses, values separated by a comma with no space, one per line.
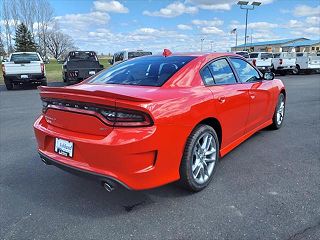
(46,91)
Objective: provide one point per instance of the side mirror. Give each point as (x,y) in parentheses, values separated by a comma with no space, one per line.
(268,76)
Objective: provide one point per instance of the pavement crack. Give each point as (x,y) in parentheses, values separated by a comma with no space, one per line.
(299,234)
(129,208)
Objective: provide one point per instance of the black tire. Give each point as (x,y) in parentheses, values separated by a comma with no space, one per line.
(9,85)
(283,72)
(186,175)
(298,70)
(275,123)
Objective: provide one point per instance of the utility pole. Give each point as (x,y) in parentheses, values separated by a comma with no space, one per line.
(202,39)
(244,5)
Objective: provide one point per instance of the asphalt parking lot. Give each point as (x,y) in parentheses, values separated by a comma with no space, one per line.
(267,188)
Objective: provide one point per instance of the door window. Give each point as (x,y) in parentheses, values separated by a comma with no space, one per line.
(245,71)
(222,72)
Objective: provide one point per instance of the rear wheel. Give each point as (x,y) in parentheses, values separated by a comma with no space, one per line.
(200,158)
(278,115)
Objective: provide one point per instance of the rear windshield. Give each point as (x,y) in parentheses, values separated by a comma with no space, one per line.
(82,56)
(147,71)
(138,54)
(24,57)
(288,55)
(243,54)
(254,55)
(266,55)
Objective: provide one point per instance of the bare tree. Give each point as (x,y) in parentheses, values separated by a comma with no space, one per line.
(6,16)
(59,44)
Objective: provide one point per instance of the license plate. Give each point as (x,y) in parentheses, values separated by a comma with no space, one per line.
(24,76)
(63,147)
(92,72)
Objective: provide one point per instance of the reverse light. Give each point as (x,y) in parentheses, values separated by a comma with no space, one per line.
(118,117)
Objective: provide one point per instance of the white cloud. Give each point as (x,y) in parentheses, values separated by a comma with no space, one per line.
(214,22)
(109,6)
(82,20)
(313,20)
(172,10)
(184,27)
(219,4)
(304,10)
(212,30)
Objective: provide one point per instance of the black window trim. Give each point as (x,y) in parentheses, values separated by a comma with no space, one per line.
(260,74)
(217,84)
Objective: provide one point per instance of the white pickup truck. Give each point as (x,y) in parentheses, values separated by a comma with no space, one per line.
(24,68)
(283,62)
(262,60)
(307,62)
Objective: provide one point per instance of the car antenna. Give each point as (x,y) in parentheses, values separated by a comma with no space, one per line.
(166,52)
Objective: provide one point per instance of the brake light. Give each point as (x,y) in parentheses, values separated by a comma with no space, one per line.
(42,68)
(118,117)
(3,69)
(280,61)
(254,62)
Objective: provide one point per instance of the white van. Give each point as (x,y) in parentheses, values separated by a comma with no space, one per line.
(125,55)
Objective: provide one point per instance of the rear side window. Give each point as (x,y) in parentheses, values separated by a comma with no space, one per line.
(206,76)
(245,71)
(147,71)
(24,57)
(222,72)
(277,55)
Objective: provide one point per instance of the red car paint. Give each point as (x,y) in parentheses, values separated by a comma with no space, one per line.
(149,156)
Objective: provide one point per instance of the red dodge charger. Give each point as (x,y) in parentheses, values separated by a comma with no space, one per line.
(157,119)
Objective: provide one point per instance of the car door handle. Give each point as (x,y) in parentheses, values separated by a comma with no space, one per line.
(221,99)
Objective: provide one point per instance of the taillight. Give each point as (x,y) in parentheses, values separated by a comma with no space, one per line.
(254,62)
(280,61)
(118,117)
(3,69)
(42,68)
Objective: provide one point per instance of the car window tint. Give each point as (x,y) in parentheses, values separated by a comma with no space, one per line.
(245,71)
(222,72)
(254,55)
(24,57)
(277,55)
(206,76)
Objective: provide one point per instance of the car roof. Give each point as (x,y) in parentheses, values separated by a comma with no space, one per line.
(202,54)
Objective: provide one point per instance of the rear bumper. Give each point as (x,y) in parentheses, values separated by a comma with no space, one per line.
(82,173)
(81,74)
(286,68)
(31,78)
(139,159)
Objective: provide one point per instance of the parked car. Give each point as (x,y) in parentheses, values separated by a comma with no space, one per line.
(80,65)
(24,68)
(307,62)
(125,55)
(283,62)
(157,119)
(261,60)
(244,54)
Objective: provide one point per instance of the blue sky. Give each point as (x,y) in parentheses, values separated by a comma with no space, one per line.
(109,26)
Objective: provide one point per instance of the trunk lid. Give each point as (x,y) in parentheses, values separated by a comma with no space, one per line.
(22,68)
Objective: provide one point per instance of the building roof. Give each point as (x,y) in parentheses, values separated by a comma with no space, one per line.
(273,42)
(302,43)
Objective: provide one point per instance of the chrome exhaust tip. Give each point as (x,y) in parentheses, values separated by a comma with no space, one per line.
(108,186)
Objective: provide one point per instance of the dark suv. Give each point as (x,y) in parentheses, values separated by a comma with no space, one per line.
(80,65)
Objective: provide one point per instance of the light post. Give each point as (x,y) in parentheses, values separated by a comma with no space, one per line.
(202,39)
(244,5)
(211,42)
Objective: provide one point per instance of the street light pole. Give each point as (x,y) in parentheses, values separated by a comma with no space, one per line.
(244,5)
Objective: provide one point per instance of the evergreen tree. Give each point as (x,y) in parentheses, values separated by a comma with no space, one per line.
(24,40)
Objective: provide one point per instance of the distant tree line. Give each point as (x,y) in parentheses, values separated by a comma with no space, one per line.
(29,25)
